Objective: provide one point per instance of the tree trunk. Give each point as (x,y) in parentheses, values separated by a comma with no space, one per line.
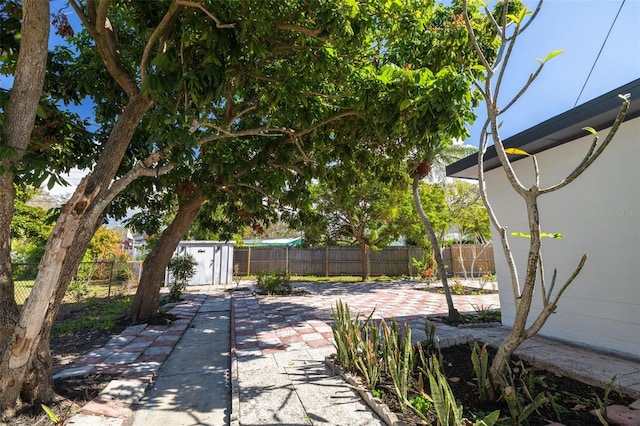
(20,114)
(518,331)
(364,260)
(8,308)
(70,234)
(38,382)
(146,303)
(454,315)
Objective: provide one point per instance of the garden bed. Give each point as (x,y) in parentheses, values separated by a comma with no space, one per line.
(570,402)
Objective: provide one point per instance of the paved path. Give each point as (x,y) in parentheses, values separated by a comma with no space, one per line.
(247,360)
(280,344)
(266,324)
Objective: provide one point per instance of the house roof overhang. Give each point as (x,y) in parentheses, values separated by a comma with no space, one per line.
(598,113)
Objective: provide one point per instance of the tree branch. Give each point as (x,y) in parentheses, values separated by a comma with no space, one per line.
(173,9)
(591,155)
(261,131)
(551,307)
(325,122)
(104,36)
(502,231)
(199,5)
(306,31)
(474,39)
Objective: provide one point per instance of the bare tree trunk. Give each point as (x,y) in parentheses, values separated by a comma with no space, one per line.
(454,315)
(20,114)
(146,303)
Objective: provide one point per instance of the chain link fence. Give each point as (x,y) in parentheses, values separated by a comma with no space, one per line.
(93,279)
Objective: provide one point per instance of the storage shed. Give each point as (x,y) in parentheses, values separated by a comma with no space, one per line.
(215,261)
(598,214)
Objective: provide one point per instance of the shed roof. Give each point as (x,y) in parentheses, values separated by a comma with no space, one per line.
(598,113)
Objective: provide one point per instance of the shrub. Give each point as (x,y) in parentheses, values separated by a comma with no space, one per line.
(182,268)
(274,283)
(125,276)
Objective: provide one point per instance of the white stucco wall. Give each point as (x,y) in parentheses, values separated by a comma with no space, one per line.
(598,214)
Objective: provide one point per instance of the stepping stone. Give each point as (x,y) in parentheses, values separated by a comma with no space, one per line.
(621,415)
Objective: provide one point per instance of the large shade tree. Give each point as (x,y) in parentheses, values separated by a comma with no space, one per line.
(161,65)
(133,43)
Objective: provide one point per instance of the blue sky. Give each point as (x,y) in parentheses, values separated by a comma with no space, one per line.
(579,27)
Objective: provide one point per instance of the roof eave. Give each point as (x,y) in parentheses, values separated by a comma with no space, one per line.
(598,113)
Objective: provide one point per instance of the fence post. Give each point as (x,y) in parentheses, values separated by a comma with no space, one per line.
(110,279)
(286,261)
(326,261)
(248,261)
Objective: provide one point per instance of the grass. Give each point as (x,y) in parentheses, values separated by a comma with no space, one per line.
(339,279)
(95,311)
(102,314)
(99,289)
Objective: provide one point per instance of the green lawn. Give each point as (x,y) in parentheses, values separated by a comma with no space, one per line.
(99,289)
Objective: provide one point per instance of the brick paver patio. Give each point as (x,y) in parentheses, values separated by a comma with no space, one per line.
(269,324)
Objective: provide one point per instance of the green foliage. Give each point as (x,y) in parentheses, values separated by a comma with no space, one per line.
(447,409)
(181,268)
(431,343)
(125,275)
(601,411)
(521,406)
(370,349)
(485,314)
(426,266)
(480,361)
(399,357)
(457,288)
(355,204)
(467,213)
(52,416)
(421,404)
(346,336)
(78,290)
(434,203)
(30,230)
(274,283)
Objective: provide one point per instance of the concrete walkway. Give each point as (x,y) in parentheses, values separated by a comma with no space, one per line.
(247,360)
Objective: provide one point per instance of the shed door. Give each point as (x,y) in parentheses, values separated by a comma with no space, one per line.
(204,269)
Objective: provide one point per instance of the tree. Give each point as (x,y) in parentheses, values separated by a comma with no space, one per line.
(146,302)
(433,201)
(433,152)
(510,19)
(250,139)
(25,367)
(469,217)
(176,59)
(359,206)
(132,88)
(19,118)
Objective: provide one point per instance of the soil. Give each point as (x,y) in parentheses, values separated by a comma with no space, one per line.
(74,392)
(570,405)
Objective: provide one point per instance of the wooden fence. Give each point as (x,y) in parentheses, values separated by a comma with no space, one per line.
(328,261)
